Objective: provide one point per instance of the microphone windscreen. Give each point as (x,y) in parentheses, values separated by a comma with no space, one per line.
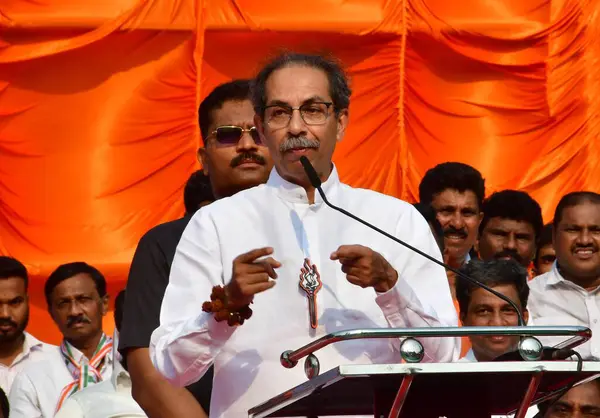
(312,175)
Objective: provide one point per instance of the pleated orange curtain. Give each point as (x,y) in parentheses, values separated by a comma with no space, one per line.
(98,99)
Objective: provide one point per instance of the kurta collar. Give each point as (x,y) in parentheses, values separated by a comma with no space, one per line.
(296,194)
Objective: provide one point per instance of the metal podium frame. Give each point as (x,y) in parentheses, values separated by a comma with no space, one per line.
(578,335)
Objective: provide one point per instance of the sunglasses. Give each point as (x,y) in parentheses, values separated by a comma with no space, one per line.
(231,135)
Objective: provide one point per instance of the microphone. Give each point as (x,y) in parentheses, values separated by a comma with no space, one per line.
(315,181)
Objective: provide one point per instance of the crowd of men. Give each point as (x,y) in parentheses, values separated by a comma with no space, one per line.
(277,268)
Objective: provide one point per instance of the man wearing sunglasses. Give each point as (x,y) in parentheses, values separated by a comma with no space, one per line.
(235,159)
(233,154)
(272,268)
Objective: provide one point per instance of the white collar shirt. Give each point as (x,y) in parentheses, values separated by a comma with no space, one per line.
(33,350)
(36,389)
(278,215)
(553,300)
(108,399)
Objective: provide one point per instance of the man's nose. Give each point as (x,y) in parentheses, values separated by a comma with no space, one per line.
(246,143)
(457,220)
(496,320)
(297,126)
(510,242)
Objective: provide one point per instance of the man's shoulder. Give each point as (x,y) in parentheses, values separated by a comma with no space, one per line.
(167,229)
(39,346)
(43,367)
(538,283)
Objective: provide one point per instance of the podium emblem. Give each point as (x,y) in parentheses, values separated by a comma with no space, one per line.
(310,283)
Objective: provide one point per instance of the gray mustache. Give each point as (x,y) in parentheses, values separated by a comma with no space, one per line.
(298,142)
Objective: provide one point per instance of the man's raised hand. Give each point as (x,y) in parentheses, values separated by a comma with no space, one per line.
(365,267)
(251,276)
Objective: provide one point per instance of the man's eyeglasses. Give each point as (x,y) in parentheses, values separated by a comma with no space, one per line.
(314,113)
(231,135)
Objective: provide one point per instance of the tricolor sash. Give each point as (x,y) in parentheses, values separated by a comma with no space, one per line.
(84,374)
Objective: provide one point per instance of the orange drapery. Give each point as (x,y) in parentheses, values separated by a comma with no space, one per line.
(98,106)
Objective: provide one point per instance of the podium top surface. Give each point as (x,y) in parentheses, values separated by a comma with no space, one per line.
(356,388)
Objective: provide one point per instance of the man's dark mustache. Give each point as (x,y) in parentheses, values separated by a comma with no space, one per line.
(509,253)
(247,156)
(73,320)
(455,231)
(7,322)
(591,247)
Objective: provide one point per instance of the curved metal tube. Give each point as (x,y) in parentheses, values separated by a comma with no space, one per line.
(579,336)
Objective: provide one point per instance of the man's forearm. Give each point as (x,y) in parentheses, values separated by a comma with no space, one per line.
(157,397)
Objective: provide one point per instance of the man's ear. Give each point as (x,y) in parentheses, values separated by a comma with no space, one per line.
(203,160)
(342,123)
(526,316)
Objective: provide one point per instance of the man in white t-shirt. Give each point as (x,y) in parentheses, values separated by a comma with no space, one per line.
(17,347)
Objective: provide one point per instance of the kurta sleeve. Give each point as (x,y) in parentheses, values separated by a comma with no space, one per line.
(421,296)
(187,341)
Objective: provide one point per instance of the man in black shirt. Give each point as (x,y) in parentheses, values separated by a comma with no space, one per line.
(235,159)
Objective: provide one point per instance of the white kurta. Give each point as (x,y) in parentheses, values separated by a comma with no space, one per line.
(37,388)
(277,214)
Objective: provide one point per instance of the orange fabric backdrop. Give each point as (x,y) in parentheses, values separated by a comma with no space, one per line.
(98,106)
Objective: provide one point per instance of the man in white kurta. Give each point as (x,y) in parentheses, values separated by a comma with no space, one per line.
(279,215)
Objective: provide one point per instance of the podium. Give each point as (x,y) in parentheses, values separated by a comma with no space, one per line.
(431,390)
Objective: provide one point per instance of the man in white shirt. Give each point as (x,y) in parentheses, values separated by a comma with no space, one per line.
(108,399)
(77,301)
(278,245)
(569,293)
(17,347)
